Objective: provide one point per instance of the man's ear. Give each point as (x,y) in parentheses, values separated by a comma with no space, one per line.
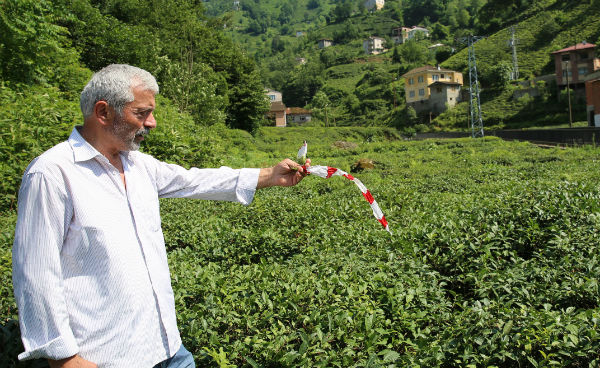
(104,112)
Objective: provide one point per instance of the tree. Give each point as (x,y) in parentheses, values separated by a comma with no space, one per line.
(396,56)
(414,52)
(342,11)
(33,48)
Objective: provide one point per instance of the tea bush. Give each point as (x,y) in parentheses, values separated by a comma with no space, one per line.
(494,260)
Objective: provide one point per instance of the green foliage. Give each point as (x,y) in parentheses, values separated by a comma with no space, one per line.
(34,49)
(493,262)
(30,122)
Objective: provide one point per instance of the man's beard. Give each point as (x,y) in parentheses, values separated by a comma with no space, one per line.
(122,131)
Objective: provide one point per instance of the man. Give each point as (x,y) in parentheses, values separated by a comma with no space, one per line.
(90,269)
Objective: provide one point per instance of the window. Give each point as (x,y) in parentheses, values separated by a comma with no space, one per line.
(565,73)
(436,77)
(420,79)
(411,81)
(411,93)
(421,92)
(565,57)
(272,97)
(442,76)
(439,89)
(583,56)
(583,71)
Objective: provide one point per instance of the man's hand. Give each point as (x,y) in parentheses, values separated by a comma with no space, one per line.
(73,362)
(285,174)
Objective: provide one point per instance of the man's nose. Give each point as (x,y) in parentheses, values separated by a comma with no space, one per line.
(150,122)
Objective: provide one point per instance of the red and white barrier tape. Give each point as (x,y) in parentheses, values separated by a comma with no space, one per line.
(327,172)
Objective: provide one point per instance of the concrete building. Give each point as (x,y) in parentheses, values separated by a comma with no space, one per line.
(325,42)
(277,110)
(374,5)
(432,89)
(403,34)
(443,95)
(298,115)
(573,63)
(373,45)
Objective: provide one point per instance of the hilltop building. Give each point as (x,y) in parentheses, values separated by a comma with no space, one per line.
(374,5)
(403,34)
(573,63)
(325,42)
(432,89)
(373,45)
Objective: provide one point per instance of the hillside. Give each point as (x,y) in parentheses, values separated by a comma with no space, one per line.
(368,90)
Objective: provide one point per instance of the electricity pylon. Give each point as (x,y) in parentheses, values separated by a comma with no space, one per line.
(474,102)
(513,44)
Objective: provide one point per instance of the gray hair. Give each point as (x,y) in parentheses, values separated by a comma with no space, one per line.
(114,84)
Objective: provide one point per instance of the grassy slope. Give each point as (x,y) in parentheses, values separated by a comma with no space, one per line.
(534,55)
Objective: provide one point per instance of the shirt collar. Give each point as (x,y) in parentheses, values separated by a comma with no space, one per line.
(82,150)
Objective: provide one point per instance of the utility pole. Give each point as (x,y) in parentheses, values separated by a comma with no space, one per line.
(513,44)
(474,101)
(569,96)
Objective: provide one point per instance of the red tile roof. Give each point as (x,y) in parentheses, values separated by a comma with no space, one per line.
(297,111)
(579,46)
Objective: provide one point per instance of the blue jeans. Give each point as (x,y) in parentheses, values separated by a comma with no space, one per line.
(181,359)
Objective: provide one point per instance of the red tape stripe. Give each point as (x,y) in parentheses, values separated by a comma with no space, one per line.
(330,171)
(368,197)
(383,221)
(349,177)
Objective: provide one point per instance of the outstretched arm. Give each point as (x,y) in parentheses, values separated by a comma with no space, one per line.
(285,174)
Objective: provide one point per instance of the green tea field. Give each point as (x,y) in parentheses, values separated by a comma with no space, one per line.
(494,259)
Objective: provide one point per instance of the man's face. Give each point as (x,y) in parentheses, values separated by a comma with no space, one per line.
(137,119)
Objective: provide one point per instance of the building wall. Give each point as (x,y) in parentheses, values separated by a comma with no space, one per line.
(374,4)
(576,67)
(325,43)
(443,96)
(416,85)
(280,120)
(274,95)
(373,45)
(298,118)
(592,92)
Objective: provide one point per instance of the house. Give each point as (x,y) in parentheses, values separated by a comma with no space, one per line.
(374,5)
(373,45)
(592,97)
(273,95)
(325,42)
(403,34)
(277,109)
(301,60)
(432,89)
(297,115)
(236,5)
(571,64)
(299,33)
(277,113)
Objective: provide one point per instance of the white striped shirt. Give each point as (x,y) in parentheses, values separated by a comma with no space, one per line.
(90,270)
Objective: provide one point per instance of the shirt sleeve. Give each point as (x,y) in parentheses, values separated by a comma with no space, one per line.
(43,213)
(224,183)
